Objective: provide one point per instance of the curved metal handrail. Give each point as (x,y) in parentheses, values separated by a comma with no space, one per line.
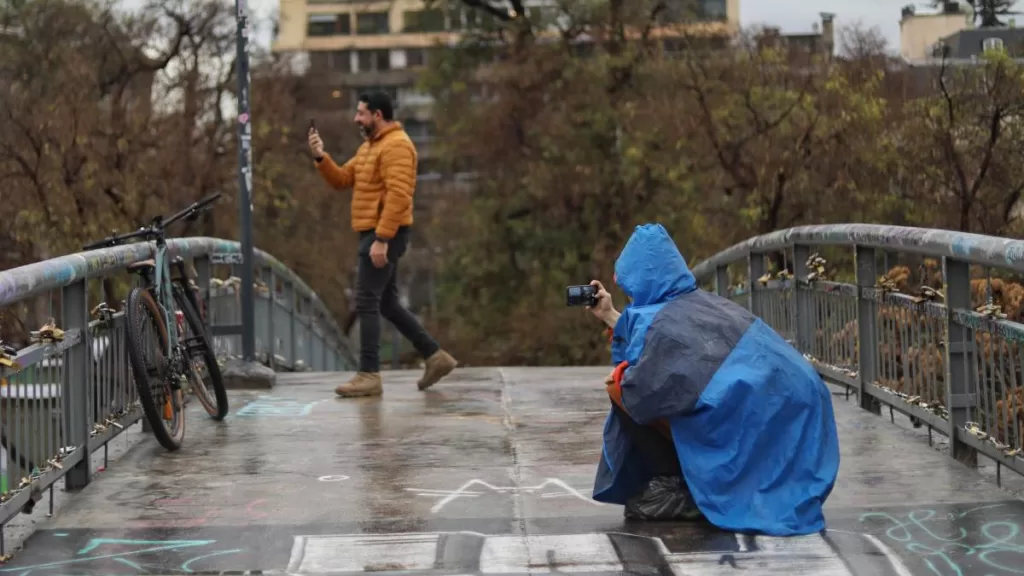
(25,281)
(933,355)
(972,248)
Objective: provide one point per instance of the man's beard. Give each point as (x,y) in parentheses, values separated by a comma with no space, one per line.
(366,131)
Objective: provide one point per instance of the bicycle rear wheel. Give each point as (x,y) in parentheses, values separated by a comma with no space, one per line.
(205,372)
(147,339)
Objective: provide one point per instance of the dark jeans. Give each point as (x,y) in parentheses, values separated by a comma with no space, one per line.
(657,451)
(377,295)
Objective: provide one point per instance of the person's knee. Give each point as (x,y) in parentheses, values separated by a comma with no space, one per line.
(389,306)
(367,301)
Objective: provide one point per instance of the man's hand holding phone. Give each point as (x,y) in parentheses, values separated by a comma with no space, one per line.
(316,145)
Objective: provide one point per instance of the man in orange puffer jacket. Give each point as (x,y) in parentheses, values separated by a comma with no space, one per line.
(382,176)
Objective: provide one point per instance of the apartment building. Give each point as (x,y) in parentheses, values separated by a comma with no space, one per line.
(920,33)
(359,45)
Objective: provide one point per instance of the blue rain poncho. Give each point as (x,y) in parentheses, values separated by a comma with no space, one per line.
(750,418)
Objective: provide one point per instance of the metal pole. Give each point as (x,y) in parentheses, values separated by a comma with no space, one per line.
(245,180)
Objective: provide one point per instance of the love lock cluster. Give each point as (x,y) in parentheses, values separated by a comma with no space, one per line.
(48,333)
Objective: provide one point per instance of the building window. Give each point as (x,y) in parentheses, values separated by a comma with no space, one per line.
(455,16)
(480,20)
(418,130)
(328,25)
(941,50)
(334,60)
(423,21)
(415,57)
(410,96)
(712,10)
(369,23)
(992,44)
(374,60)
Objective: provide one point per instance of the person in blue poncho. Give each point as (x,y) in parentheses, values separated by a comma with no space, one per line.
(713,413)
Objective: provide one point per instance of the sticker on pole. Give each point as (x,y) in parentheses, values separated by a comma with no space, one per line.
(226,258)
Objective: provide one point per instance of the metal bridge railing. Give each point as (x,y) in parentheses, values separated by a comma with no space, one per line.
(926,322)
(62,400)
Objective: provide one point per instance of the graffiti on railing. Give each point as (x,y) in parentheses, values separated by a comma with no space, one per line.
(112,556)
(997,545)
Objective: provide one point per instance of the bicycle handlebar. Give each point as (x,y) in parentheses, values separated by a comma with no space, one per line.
(157,227)
(194,208)
(115,240)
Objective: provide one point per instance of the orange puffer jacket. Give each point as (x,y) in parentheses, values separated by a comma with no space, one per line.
(382,176)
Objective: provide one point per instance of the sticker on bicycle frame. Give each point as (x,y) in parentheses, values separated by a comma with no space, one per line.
(226,258)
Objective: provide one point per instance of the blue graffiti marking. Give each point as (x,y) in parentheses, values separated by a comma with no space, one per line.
(150,546)
(274,406)
(997,544)
(186,567)
(1014,252)
(961,245)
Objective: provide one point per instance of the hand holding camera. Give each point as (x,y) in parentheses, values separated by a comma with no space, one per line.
(595,298)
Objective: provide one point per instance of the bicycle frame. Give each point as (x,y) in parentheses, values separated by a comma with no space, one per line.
(162,282)
(164,295)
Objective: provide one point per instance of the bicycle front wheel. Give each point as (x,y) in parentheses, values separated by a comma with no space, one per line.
(147,339)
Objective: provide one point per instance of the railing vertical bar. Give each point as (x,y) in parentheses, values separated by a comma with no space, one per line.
(75,378)
(1003,414)
(755,269)
(961,381)
(867,314)
(801,298)
(271,280)
(722,281)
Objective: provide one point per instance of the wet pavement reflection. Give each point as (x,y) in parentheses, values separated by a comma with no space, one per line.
(488,474)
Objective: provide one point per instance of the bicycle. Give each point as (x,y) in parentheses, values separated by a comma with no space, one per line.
(174,358)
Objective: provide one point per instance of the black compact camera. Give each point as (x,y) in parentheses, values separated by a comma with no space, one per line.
(585,295)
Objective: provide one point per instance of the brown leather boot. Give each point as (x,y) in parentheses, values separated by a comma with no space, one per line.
(363,384)
(439,365)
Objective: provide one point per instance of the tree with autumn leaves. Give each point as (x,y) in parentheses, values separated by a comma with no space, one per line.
(108,119)
(574,144)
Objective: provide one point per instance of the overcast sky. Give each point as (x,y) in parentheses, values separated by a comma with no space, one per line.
(790,15)
(800,15)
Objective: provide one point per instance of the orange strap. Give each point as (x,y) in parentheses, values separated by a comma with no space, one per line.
(615,393)
(615,387)
(619,371)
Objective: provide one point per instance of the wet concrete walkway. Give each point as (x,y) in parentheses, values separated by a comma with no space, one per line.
(488,473)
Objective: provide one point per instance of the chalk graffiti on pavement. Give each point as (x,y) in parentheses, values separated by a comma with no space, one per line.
(549,488)
(111,556)
(274,406)
(948,543)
